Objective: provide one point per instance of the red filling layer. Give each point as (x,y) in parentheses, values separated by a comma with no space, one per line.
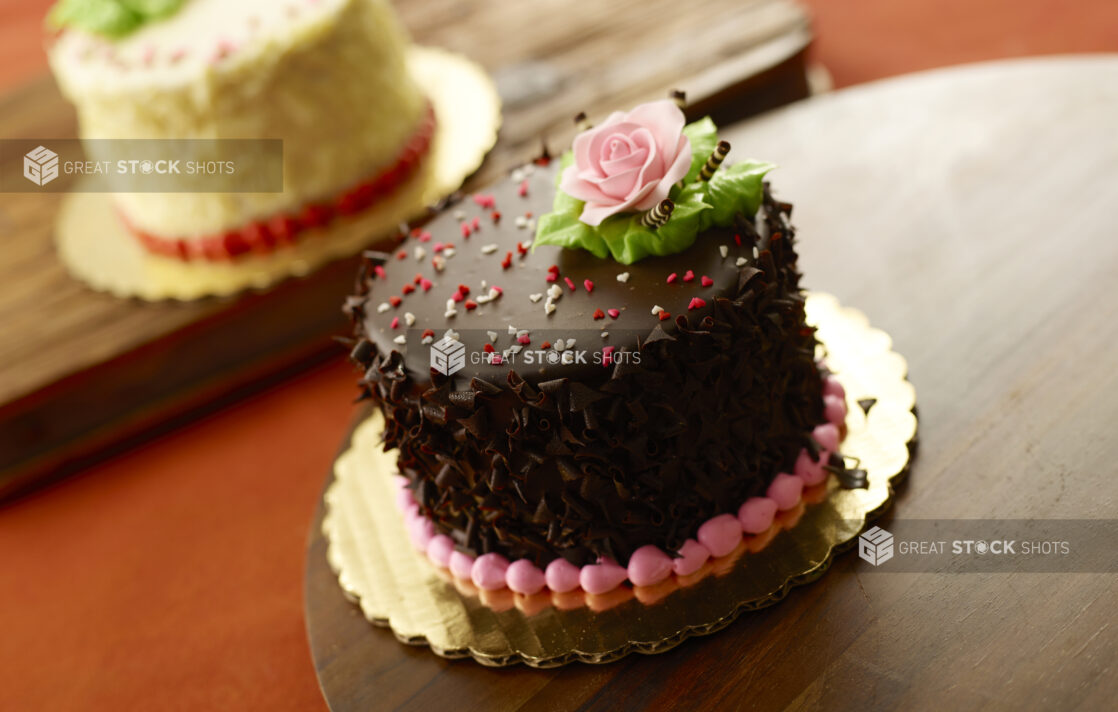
(264,236)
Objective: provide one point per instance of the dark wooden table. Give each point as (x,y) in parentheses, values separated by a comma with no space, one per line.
(970,213)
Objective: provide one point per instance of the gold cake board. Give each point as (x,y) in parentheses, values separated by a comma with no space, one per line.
(398,587)
(98,249)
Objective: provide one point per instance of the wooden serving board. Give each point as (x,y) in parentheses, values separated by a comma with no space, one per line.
(969,213)
(84,373)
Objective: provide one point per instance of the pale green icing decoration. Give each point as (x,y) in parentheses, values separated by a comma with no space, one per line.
(699,206)
(111,18)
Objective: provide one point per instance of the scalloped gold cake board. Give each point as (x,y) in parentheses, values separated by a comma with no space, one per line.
(97,248)
(397,586)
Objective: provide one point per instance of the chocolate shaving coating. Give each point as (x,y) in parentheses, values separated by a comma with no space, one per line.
(642,454)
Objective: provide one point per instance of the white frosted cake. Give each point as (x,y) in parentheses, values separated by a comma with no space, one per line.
(328,77)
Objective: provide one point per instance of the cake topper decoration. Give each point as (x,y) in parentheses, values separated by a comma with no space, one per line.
(628,163)
(659,215)
(714,161)
(111,18)
(617,181)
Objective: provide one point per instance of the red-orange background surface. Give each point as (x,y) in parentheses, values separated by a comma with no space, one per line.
(171,577)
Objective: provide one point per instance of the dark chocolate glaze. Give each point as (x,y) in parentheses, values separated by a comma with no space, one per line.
(585,460)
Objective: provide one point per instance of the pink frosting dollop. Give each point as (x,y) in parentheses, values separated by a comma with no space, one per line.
(834,410)
(629,162)
(832,387)
(421,530)
(561,576)
(439,549)
(692,555)
(525,577)
(827,435)
(756,515)
(649,565)
(602,577)
(785,490)
(404,498)
(810,471)
(489,571)
(461,565)
(721,534)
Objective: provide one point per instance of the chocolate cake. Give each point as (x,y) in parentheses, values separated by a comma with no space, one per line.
(551,405)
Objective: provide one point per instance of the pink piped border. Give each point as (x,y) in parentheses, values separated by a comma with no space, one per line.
(648,565)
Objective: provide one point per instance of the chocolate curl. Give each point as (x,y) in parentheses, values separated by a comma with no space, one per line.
(581,122)
(679,97)
(376,257)
(658,216)
(715,160)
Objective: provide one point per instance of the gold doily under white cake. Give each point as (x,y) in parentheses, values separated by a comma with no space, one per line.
(97,248)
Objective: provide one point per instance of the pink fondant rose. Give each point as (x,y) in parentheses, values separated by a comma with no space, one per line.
(629,162)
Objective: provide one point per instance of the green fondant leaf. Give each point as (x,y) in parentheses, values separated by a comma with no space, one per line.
(703,135)
(111,18)
(736,188)
(152,9)
(629,241)
(566,230)
(102,17)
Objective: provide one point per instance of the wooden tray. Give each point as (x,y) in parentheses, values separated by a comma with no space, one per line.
(974,224)
(85,374)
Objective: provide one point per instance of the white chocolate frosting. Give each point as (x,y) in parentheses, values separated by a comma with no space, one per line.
(328,77)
